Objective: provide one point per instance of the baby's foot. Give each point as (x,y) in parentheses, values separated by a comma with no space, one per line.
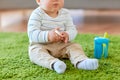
(88,64)
(59,67)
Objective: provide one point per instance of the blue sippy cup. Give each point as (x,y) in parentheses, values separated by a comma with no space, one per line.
(100,47)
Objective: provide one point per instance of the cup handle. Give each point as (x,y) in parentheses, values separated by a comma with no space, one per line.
(105,51)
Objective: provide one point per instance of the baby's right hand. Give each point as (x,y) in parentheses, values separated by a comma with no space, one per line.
(53,36)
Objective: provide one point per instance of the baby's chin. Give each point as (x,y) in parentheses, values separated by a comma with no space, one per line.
(55,9)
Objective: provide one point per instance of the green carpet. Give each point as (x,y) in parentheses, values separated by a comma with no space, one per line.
(15,63)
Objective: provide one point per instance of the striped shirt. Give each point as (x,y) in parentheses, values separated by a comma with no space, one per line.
(40,24)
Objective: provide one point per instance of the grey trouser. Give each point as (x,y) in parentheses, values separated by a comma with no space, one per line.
(46,54)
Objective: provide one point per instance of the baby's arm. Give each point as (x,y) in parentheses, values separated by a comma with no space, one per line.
(70,28)
(34,31)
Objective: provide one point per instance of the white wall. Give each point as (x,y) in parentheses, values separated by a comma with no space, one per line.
(73,4)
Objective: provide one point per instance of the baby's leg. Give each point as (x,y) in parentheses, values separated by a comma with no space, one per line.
(42,58)
(79,59)
(88,64)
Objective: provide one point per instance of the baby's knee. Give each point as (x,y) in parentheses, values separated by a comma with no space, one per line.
(75,46)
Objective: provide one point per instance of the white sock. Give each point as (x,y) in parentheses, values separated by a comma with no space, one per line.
(88,64)
(59,66)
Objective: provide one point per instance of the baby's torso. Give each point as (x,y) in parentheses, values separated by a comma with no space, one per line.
(49,24)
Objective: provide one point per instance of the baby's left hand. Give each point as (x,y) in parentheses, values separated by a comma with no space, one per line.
(65,36)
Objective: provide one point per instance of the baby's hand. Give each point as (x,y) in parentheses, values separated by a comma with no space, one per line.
(53,36)
(65,36)
(57,32)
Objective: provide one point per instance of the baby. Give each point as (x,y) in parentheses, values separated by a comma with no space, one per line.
(50,32)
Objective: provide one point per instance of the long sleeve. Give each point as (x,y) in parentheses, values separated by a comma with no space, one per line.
(35,33)
(70,28)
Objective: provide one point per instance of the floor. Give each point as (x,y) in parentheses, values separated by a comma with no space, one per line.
(87,21)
